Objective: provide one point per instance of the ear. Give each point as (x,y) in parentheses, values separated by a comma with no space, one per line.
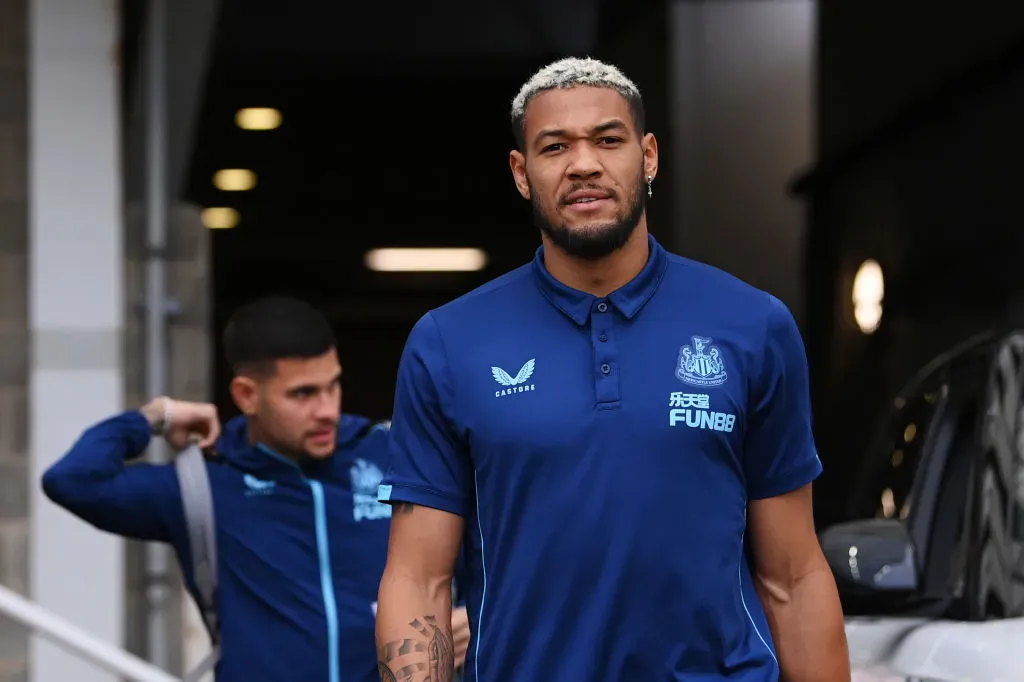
(245,393)
(517,162)
(650,149)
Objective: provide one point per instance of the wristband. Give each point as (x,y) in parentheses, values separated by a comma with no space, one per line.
(162,424)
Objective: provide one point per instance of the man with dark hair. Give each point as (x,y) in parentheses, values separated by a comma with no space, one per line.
(301,538)
(620,438)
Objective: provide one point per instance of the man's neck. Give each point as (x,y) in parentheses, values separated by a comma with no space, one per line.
(257,436)
(603,276)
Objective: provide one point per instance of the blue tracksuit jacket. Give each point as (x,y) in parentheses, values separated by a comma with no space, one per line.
(300,550)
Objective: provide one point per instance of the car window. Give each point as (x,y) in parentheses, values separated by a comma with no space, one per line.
(948,541)
(887,488)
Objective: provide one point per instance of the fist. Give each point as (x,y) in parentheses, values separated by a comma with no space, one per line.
(182,422)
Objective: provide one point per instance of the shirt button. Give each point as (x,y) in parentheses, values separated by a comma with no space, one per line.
(606,368)
(602,307)
(603,337)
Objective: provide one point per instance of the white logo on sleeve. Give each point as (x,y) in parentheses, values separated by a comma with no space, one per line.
(366,476)
(514,384)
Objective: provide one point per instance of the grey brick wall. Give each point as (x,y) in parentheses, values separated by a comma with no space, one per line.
(189,336)
(14,485)
(190,350)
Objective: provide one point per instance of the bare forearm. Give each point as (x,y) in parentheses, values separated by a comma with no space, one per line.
(807,626)
(414,632)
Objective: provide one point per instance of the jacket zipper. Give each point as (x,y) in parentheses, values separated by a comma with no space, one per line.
(326,578)
(324,556)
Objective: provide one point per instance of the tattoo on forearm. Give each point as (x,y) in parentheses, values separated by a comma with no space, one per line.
(440,650)
(436,647)
(386,674)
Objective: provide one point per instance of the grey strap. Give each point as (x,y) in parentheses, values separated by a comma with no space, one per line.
(197,501)
(205,666)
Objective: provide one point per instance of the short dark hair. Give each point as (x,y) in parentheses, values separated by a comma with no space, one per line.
(273,328)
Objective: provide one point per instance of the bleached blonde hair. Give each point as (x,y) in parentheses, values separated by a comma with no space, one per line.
(575,72)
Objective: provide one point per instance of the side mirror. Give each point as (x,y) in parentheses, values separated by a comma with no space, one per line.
(871,556)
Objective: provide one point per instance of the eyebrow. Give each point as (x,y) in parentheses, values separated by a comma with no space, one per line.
(614,124)
(295,390)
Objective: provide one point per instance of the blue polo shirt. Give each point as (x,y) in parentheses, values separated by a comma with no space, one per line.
(603,452)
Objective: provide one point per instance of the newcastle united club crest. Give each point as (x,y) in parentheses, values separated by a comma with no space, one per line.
(701,364)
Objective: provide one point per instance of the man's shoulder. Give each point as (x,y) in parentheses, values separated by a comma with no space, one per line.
(498,292)
(688,275)
(364,458)
(357,429)
(496,307)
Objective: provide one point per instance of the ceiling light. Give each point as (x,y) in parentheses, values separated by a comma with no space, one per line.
(426,260)
(219,217)
(234,180)
(868,292)
(258,118)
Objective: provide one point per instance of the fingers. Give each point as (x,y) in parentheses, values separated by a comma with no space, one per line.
(196,420)
(211,426)
(213,433)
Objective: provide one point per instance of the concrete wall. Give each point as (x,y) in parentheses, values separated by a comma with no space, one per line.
(76,309)
(189,347)
(742,83)
(14,525)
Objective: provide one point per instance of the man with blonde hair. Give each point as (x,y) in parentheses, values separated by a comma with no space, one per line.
(621,436)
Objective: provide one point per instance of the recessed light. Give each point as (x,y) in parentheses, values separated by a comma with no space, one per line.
(219,217)
(234,180)
(258,118)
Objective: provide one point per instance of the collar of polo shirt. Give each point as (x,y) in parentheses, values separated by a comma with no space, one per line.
(628,299)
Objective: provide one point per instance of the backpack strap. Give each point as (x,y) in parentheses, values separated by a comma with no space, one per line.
(197,501)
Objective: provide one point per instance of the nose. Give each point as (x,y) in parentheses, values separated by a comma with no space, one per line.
(328,406)
(584,163)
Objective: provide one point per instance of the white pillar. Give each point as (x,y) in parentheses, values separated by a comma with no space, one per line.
(76,307)
(743,112)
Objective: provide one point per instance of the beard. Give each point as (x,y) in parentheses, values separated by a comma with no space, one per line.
(268,430)
(598,240)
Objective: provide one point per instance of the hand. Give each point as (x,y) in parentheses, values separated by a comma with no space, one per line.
(186,422)
(460,634)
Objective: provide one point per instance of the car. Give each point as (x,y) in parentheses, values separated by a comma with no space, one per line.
(930,563)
